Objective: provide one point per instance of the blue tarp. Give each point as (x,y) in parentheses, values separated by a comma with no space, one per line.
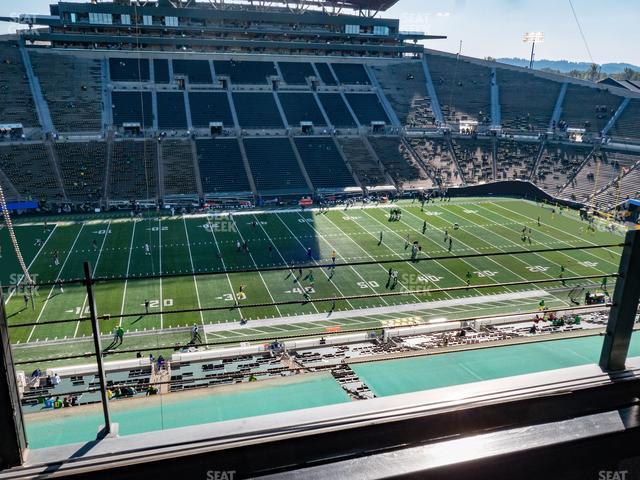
(22,205)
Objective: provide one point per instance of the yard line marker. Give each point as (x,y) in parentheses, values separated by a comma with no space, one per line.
(44,306)
(195,281)
(160,269)
(302,245)
(124,293)
(215,241)
(95,267)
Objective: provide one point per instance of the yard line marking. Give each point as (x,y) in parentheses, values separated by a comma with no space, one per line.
(516,257)
(195,281)
(283,260)
(215,240)
(160,270)
(432,241)
(93,273)
(617,265)
(126,281)
(256,265)
(55,225)
(319,235)
(44,306)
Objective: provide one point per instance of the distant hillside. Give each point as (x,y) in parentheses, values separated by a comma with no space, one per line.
(565,66)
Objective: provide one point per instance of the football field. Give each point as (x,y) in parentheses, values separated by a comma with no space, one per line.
(198,263)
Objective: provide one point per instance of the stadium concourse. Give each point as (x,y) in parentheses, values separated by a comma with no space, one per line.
(299,208)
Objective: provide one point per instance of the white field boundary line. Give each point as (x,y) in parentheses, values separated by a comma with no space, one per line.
(13,291)
(215,240)
(516,257)
(257,268)
(371,257)
(93,273)
(318,235)
(280,254)
(617,265)
(410,307)
(315,262)
(195,281)
(126,282)
(44,306)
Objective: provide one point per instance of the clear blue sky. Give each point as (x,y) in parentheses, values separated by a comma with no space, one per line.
(495,27)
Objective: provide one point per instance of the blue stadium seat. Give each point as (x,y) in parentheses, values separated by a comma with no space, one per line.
(337,111)
(351,73)
(257,110)
(198,71)
(221,166)
(171,110)
(209,107)
(323,163)
(274,166)
(367,108)
(161,70)
(133,107)
(129,69)
(245,72)
(301,107)
(296,73)
(325,74)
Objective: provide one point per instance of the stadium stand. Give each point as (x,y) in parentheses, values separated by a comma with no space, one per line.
(246,72)
(516,160)
(296,73)
(197,71)
(128,69)
(588,108)
(325,74)
(16,103)
(557,165)
(209,107)
(301,107)
(28,167)
(10,194)
(177,167)
(337,111)
(361,161)
(171,110)
(463,88)
(132,107)
(405,86)
(257,110)
(437,157)
(221,166)
(323,163)
(599,172)
(367,108)
(626,183)
(628,125)
(71,86)
(281,174)
(475,159)
(82,166)
(526,100)
(161,70)
(351,73)
(398,161)
(134,170)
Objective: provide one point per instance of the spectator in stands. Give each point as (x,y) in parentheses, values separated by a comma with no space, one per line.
(55,380)
(161,362)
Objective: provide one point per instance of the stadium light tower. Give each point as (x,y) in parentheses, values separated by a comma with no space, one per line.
(533,38)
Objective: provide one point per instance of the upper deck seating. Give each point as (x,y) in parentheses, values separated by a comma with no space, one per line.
(132,107)
(198,71)
(207,107)
(325,74)
(296,73)
(588,108)
(351,73)
(128,69)
(161,70)
(246,72)
(171,110)
(367,108)
(301,107)
(257,110)
(337,110)
(16,102)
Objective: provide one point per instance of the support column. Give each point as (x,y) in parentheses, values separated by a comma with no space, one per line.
(625,307)
(13,440)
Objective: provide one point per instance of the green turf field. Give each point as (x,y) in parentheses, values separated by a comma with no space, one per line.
(208,244)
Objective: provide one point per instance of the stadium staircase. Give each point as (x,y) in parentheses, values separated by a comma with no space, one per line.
(627,125)
(625,103)
(543,144)
(107,173)
(391,114)
(435,104)
(42,109)
(56,168)
(579,169)
(419,160)
(381,165)
(160,169)
(496,118)
(247,168)
(456,162)
(303,169)
(196,167)
(10,191)
(348,163)
(557,110)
